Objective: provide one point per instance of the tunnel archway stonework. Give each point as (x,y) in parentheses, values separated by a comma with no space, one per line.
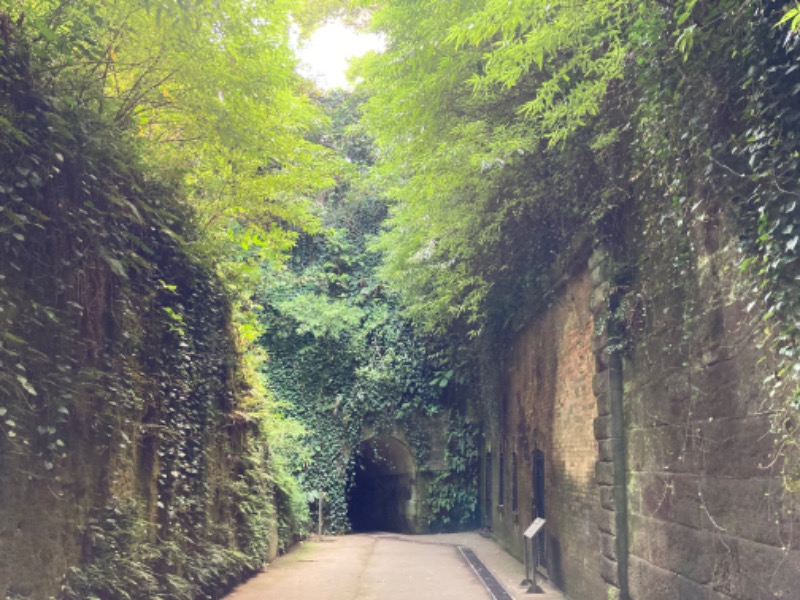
(385,495)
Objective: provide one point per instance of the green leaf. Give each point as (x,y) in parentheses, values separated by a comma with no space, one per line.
(23,381)
(686,13)
(116,266)
(793,14)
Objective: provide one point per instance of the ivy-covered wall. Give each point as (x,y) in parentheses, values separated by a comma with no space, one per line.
(127,468)
(351,368)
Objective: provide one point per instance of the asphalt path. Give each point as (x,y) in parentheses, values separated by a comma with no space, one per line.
(366,567)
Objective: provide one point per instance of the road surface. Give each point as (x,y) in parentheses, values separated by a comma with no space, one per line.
(366,567)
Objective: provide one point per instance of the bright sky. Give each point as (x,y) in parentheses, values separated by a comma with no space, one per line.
(325,55)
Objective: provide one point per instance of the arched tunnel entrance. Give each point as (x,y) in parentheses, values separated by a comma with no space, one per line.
(382,495)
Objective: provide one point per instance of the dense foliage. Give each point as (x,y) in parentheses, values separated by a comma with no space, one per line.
(345,361)
(197,250)
(143,183)
(505,129)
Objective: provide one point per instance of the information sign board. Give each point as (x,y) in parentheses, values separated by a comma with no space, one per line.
(534,528)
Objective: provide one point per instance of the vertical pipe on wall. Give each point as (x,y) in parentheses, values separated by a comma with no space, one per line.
(617,412)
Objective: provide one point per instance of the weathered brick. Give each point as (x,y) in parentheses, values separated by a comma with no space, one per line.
(698,495)
(550,406)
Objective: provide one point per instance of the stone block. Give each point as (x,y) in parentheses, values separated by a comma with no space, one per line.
(606,496)
(663,400)
(727,387)
(605,450)
(606,521)
(666,496)
(602,427)
(608,546)
(598,302)
(599,339)
(604,473)
(767,572)
(755,509)
(603,404)
(660,449)
(690,589)
(648,582)
(599,274)
(740,447)
(608,571)
(600,383)
(598,257)
(612,592)
(676,548)
(726,578)
(601,352)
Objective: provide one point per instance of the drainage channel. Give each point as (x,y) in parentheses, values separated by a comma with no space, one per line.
(494,587)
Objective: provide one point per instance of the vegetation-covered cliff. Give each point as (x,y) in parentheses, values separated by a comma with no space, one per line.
(135,452)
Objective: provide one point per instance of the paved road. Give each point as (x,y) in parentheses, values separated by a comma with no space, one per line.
(366,567)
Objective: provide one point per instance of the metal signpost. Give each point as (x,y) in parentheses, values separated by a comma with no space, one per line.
(532,560)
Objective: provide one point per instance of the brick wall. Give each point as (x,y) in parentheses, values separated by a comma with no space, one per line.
(548,405)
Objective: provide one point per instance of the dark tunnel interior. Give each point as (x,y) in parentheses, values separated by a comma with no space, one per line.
(380,497)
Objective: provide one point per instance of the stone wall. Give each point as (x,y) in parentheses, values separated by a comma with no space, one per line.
(707,515)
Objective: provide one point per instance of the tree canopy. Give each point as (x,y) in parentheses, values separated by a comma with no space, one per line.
(366,239)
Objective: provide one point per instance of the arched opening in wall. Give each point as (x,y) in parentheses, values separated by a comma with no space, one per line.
(381,497)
